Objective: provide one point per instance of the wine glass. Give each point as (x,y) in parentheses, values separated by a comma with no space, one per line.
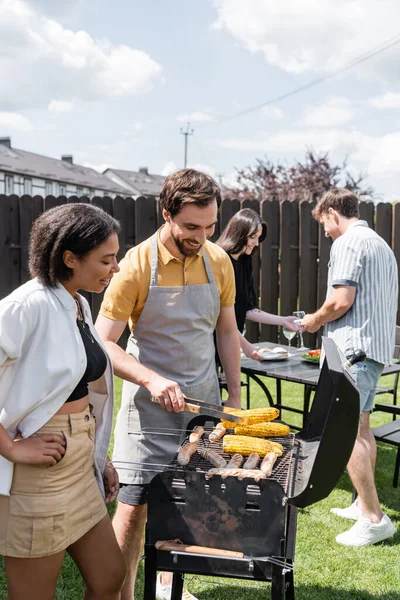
(300,314)
(289,334)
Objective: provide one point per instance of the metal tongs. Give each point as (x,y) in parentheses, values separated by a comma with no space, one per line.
(205,408)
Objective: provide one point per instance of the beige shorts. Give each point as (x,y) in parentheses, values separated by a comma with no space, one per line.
(50,508)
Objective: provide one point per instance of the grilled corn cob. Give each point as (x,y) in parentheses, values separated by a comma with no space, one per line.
(250,417)
(245,445)
(263,430)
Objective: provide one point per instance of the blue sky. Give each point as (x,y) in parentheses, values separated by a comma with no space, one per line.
(113,82)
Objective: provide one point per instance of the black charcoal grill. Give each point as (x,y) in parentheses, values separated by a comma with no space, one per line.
(255,522)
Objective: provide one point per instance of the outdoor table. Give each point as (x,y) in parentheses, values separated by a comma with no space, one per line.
(293,369)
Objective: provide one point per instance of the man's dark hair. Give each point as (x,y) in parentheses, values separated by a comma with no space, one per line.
(241,226)
(343,201)
(78,227)
(188,186)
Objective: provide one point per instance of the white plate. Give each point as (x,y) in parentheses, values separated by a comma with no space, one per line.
(273,356)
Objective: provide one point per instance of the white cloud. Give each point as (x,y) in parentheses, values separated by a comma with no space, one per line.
(60,106)
(10,121)
(194,116)
(168,168)
(373,153)
(334,112)
(272,112)
(313,34)
(138,126)
(41,60)
(386,101)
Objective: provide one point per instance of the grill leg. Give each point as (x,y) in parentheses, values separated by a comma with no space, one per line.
(278,581)
(177,586)
(289,585)
(150,573)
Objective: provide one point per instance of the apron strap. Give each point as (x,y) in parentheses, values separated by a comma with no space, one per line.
(154,260)
(208,267)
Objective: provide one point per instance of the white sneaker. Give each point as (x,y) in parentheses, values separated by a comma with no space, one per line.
(364,532)
(350,512)
(163,592)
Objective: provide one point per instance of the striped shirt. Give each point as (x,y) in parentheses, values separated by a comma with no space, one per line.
(361,258)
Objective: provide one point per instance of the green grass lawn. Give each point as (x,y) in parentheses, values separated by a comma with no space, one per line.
(324,570)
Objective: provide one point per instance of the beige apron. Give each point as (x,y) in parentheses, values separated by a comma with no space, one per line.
(174,338)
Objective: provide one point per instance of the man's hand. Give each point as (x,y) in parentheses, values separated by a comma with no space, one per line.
(167,393)
(46,449)
(233,402)
(111,483)
(310,323)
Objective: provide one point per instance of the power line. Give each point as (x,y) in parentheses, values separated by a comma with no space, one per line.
(363,57)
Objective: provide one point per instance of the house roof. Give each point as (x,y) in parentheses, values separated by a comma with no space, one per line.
(141,182)
(36,165)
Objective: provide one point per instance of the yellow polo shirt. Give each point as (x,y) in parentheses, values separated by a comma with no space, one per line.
(127,293)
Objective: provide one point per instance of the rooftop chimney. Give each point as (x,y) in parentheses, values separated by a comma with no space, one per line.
(68,158)
(144,170)
(5,141)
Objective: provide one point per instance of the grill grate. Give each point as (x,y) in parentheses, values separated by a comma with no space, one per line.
(283,472)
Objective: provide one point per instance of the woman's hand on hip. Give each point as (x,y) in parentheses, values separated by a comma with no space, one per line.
(47,449)
(111,483)
(166,393)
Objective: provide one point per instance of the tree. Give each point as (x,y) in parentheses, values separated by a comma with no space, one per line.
(307,179)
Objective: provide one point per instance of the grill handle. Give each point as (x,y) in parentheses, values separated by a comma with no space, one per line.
(174,546)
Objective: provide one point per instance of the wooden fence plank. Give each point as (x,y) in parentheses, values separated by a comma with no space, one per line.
(269,274)
(367,212)
(10,256)
(227,210)
(308,265)
(29,210)
(146,218)
(383,221)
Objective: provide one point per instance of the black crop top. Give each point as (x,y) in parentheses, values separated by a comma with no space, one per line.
(96,362)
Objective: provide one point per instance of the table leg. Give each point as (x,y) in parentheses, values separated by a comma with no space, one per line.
(306,405)
(263,387)
(278,393)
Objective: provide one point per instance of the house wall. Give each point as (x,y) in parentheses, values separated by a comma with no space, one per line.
(46,187)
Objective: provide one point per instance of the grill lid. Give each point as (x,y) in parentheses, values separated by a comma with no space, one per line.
(327,440)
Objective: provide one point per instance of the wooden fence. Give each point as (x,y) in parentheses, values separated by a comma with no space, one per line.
(290,270)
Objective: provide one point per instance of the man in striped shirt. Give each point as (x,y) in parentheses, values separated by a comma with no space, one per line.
(359,312)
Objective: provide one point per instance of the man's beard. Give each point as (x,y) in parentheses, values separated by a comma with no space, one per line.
(184,250)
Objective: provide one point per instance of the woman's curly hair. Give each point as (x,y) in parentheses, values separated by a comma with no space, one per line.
(77,227)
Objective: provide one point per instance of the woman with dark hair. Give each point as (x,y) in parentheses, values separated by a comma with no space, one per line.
(56,407)
(240,238)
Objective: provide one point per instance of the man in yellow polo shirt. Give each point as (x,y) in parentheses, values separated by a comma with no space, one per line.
(174,289)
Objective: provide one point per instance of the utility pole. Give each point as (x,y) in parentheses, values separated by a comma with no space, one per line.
(186,132)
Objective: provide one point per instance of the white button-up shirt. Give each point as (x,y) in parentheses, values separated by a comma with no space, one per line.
(42,359)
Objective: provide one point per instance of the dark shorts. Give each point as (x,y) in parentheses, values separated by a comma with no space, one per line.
(133,494)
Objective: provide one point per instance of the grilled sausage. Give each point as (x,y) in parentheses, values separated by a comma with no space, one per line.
(186,452)
(196,434)
(235,462)
(268,462)
(252,461)
(213,457)
(217,433)
(255,474)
